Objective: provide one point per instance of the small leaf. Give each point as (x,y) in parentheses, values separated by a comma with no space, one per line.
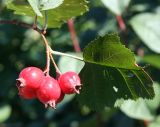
(21,9)
(5,112)
(137,110)
(70,63)
(39,5)
(35,5)
(155,103)
(139,7)
(67,10)
(116,6)
(148,31)
(56,16)
(50,4)
(110,72)
(153,60)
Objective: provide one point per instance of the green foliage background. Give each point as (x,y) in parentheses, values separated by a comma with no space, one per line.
(21,47)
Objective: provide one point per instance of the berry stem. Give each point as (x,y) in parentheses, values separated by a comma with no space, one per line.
(55,65)
(48,49)
(49,57)
(73,35)
(121,23)
(46,71)
(65,54)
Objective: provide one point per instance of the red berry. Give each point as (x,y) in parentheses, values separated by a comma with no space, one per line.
(70,83)
(26,93)
(49,92)
(30,77)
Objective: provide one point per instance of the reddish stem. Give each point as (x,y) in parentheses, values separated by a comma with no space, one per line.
(46,71)
(146,123)
(55,65)
(121,22)
(73,36)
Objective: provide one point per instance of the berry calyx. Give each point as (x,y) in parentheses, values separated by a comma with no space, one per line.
(70,83)
(27,93)
(30,77)
(49,92)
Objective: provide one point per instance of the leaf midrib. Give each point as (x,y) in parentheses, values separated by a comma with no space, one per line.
(91,62)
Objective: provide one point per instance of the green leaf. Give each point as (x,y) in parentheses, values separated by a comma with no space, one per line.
(153,60)
(116,6)
(70,63)
(67,10)
(39,5)
(20,8)
(137,110)
(149,30)
(109,51)
(155,103)
(35,5)
(142,109)
(139,7)
(57,16)
(50,4)
(110,73)
(5,112)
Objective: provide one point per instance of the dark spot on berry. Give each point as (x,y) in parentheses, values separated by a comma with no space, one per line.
(19,84)
(78,87)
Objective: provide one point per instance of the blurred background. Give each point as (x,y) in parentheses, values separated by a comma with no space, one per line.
(138,24)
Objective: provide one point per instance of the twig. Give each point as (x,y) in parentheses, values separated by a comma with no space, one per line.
(22,24)
(73,35)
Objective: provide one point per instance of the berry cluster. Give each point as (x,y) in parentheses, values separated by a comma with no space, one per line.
(33,83)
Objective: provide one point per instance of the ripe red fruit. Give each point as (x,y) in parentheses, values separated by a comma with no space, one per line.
(70,83)
(49,92)
(27,93)
(30,77)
